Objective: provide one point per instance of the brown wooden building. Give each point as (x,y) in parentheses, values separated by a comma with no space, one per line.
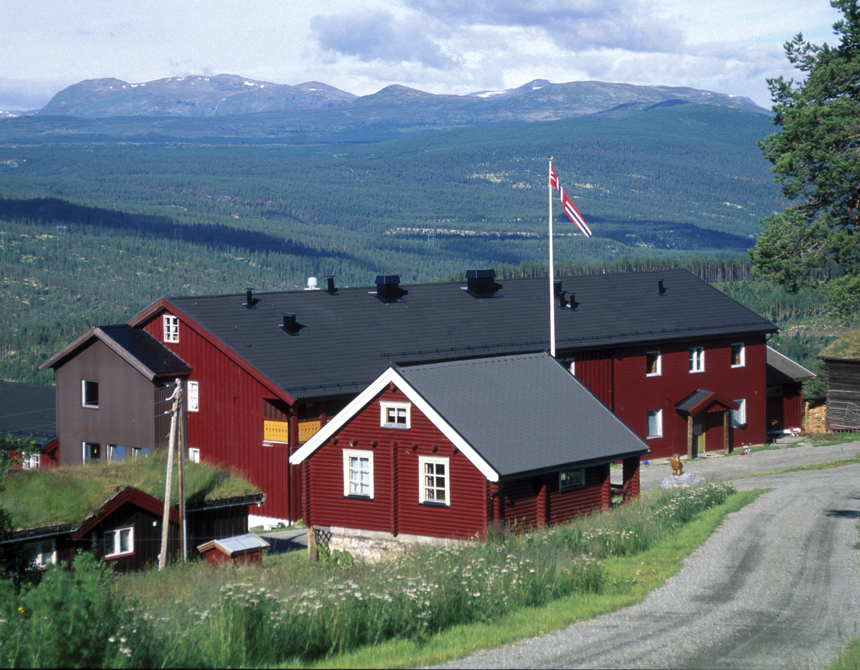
(445,450)
(842,382)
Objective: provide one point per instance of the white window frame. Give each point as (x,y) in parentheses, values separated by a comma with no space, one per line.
(403,409)
(743,355)
(84,394)
(43,552)
(423,498)
(194,454)
(697,359)
(110,450)
(658,413)
(739,415)
(170,325)
(117,535)
(137,452)
(659,364)
(32,462)
(571,479)
(193,396)
(84,447)
(348,458)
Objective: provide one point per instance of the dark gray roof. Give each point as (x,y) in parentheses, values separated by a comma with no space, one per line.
(28,412)
(783,370)
(523,413)
(693,399)
(345,341)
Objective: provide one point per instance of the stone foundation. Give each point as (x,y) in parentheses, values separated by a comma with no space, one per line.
(373,547)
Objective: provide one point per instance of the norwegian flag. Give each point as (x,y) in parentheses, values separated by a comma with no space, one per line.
(569,208)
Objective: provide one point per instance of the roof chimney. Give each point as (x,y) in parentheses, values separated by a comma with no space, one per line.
(481,283)
(330,287)
(250,300)
(661,290)
(388,288)
(290,326)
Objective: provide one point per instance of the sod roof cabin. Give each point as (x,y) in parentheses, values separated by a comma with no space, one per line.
(842,382)
(116,510)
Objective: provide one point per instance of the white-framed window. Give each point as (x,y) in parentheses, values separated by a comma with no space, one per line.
(738,355)
(115,452)
(357,473)
(655,423)
(194,454)
(171,328)
(39,555)
(89,393)
(739,415)
(193,396)
(91,452)
(697,359)
(119,542)
(138,452)
(434,486)
(653,364)
(571,479)
(395,414)
(32,462)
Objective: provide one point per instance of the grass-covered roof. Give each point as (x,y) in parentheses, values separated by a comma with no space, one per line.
(70,494)
(847,346)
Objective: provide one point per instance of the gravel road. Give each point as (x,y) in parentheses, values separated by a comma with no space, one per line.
(777,586)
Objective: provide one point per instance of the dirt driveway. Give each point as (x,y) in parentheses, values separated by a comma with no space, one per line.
(777,586)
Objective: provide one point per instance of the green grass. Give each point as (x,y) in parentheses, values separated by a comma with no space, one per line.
(76,492)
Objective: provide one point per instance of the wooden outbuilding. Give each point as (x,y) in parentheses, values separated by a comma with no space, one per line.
(446,450)
(247,548)
(785,380)
(842,382)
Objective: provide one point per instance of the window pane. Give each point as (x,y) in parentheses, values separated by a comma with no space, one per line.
(125,540)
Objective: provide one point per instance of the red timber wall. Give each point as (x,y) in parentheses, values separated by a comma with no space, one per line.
(228,428)
(785,406)
(534,502)
(632,392)
(395,507)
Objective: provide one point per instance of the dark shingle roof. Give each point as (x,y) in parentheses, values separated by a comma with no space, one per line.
(782,370)
(558,421)
(27,412)
(347,340)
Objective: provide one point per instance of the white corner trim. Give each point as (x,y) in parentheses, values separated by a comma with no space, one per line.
(366,396)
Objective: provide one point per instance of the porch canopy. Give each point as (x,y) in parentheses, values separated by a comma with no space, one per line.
(700,401)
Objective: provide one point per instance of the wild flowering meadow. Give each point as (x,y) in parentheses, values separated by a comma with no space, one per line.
(262,616)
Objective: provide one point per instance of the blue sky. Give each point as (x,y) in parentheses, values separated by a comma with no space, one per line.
(439,46)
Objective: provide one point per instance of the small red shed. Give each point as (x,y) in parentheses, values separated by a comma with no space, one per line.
(246,548)
(446,449)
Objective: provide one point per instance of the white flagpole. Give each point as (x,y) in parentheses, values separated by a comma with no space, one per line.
(551,269)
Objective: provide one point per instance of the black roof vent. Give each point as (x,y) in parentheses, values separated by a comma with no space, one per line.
(388,288)
(481,283)
(330,288)
(290,326)
(661,290)
(250,300)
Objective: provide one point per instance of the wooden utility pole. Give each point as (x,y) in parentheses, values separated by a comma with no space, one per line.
(183,448)
(168,480)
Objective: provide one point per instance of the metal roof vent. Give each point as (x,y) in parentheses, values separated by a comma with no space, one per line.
(388,288)
(481,283)
(312,284)
(661,290)
(250,300)
(330,287)
(290,326)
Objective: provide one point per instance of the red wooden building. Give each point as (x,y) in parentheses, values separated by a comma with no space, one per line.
(785,392)
(266,371)
(435,451)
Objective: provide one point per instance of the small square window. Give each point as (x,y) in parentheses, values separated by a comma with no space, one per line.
(194,454)
(89,393)
(39,555)
(653,364)
(395,414)
(697,359)
(92,452)
(32,462)
(119,542)
(738,355)
(171,328)
(357,473)
(655,423)
(137,452)
(739,415)
(115,452)
(571,479)
(435,481)
(193,396)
